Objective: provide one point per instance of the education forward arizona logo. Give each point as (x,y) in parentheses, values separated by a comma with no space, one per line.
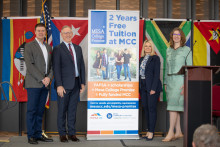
(96,116)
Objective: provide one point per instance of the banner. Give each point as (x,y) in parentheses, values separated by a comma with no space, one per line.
(113,89)
(158,30)
(17,32)
(80,30)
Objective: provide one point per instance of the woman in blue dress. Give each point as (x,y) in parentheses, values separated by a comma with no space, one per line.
(177,55)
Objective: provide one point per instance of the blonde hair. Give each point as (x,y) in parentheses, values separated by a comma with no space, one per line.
(152,48)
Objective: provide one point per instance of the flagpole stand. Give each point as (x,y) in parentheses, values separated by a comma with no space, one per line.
(20,119)
(44,126)
(45,135)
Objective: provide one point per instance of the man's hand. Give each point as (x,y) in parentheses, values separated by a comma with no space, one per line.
(82,88)
(46,81)
(61,91)
(152,92)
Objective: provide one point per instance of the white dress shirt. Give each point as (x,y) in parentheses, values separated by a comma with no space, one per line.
(45,53)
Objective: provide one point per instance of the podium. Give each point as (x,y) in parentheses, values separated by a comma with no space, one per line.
(197,98)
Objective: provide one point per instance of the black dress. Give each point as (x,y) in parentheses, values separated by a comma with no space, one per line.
(97,62)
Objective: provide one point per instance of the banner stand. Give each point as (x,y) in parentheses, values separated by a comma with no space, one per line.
(113,81)
(111,137)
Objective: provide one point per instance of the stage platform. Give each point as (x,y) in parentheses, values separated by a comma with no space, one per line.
(21,141)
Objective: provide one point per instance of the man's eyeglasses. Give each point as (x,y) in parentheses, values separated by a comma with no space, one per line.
(67,33)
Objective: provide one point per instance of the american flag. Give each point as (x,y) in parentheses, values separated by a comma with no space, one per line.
(45,19)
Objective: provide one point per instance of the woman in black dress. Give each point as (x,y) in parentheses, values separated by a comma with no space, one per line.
(97,63)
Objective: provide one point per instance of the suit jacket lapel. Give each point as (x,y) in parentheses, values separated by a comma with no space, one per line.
(75,48)
(38,48)
(67,51)
(48,57)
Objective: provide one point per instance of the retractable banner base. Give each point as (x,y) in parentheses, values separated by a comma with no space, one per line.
(111,137)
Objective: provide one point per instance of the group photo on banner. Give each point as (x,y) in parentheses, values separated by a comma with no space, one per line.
(115,62)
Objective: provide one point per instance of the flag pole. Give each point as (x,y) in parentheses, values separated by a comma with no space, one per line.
(44,19)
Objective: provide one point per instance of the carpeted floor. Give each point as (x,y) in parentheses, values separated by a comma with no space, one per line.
(21,141)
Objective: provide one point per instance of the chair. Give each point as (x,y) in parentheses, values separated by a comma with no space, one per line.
(216,103)
(7,106)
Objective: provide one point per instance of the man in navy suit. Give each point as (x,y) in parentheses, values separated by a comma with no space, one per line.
(69,74)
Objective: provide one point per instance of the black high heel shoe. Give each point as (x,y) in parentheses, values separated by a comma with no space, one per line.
(150,139)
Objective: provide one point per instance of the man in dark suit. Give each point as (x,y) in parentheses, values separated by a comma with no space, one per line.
(37,56)
(69,74)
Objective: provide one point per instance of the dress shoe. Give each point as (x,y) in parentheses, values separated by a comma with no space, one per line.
(63,138)
(169,139)
(73,138)
(32,141)
(149,139)
(44,139)
(180,136)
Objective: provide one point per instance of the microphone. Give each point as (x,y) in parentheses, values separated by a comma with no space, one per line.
(194,43)
(189,52)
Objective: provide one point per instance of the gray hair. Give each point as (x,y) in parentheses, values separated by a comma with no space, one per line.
(66,26)
(206,136)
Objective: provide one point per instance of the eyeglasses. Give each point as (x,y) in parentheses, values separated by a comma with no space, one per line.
(67,33)
(176,34)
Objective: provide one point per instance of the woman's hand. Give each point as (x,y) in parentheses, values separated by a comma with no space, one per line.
(182,92)
(152,92)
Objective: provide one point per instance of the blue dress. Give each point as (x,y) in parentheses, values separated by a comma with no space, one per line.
(175,59)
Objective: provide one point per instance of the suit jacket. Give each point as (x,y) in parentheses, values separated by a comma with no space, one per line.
(104,60)
(36,66)
(152,74)
(63,66)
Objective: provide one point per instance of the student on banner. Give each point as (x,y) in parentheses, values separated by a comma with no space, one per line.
(177,55)
(97,63)
(127,57)
(119,61)
(111,66)
(104,65)
(150,85)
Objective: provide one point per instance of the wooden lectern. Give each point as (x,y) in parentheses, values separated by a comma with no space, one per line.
(197,98)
